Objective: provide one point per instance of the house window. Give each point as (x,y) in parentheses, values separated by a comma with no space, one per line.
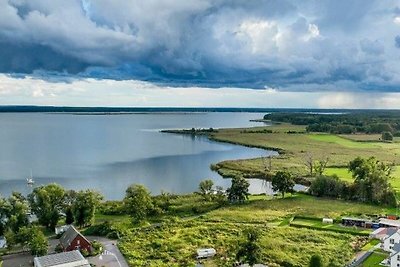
(391,240)
(78,241)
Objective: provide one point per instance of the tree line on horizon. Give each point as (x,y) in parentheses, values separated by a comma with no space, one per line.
(370,122)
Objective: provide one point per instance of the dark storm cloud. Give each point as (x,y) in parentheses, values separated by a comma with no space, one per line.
(255,44)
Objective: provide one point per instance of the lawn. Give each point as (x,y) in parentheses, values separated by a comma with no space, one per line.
(371,244)
(374,259)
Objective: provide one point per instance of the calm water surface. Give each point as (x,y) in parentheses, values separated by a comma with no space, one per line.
(110,152)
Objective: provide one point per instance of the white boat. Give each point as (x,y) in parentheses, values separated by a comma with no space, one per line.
(30,180)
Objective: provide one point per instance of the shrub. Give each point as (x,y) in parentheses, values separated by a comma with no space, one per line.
(387,136)
(97,248)
(85,253)
(58,248)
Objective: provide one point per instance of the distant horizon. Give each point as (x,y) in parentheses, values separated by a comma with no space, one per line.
(112,109)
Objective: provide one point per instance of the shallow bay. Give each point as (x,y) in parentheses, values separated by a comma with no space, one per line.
(109,152)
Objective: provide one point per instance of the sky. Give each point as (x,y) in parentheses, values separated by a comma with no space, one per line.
(213,53)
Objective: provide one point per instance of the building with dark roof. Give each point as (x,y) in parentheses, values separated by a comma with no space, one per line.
(72,239)
(64,259)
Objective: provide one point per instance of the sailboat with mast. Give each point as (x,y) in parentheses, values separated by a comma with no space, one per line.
(30,180)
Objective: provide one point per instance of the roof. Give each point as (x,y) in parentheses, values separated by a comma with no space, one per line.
(396,247)
(69,235)
(206,252)
(66,259)
(395,223)
(355,219)
(380,231)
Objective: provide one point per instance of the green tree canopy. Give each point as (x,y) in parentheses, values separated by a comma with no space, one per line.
(84,206)
(47,202)
(4,213)
(205,188)
(38,242)
(138,202)
(18,211)
(372,181)
(315,261)
(249,250)
(282,182)
(239,190)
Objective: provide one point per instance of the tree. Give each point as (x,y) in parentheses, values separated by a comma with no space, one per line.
(69,216)
(47,202)
(249,250)
(329,186)
(387,136)
(70,197)
(320,166)
(85,205)
(138,202)
(239,190)
(315,261)
(18,212)
(205,188)
(29,237)
(4,213)
(282,182)
(38,244)
(371,181)
(309,162)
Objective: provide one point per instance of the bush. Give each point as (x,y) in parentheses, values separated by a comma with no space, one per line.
(387,136)
(58,248)
(328,186)
(97,248)
(85,253)
(104,229)
(112,208)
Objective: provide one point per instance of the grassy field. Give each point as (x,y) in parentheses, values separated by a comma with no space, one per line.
(374,259)
(174,243)
(317,224)
(345,175)
(261,211)
(295,148)
(371,244)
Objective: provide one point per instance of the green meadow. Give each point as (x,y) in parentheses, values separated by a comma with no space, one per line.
(295,147)
(345,175)
(174,242)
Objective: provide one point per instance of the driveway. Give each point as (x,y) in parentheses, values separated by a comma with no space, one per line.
(111,256)
(24,259)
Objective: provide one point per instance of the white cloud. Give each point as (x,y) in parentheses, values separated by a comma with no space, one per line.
(92,92)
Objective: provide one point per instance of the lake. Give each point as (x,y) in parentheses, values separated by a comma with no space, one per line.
(109,152)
